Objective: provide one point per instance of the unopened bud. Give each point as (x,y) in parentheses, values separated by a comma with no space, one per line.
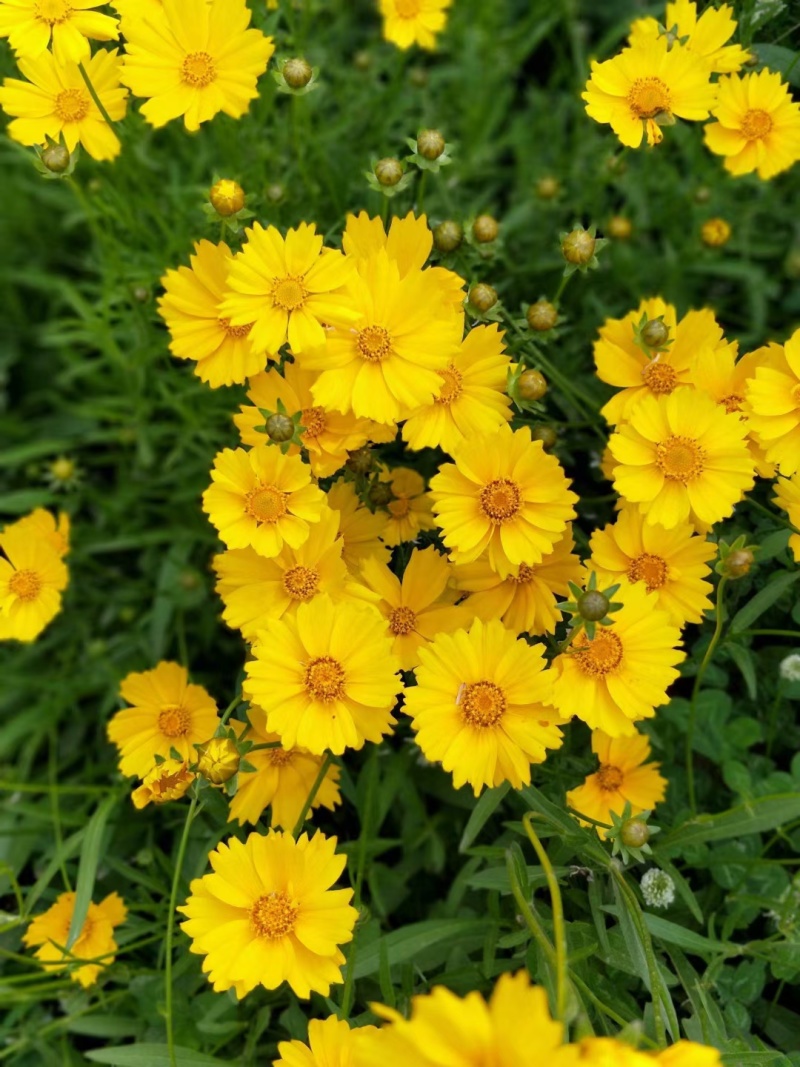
(593,605)
(482,296)
(485,229)
(548,188)
(141,294)
(362,60)
(297,73)
(702,194)
(448,236)
(380,494)
(578,247)
(218,760)
(715,232)
(542,316)
(635,833)
(275,192)
(56,158)
(430,144)
(655,333)
(739,563)
(227,197)
(547,435)
(619,227)
(361,461)
(532,385)
(280,428)
(388,171)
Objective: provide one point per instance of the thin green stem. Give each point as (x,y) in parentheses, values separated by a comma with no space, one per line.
(93,93)
(589,819)
(559,930)
(312,796)
(423,180)
(774,516)
(562,285)
(770,633)
(361,866)
(229,710)
(525,910)
(55,809)
(173,898)
(647,945)
(698,681)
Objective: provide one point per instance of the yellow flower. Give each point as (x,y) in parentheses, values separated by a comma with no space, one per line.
(137,8)
(419,607)
(503,495)
(715,232)
(773,406)
(262,498)
(688,1054)
(166,712)
(267,914)
(331,1043)
(407,22)
(671,563)
(287,288)
(481,706)
(410,506)
(326,678)
(32,579)
(646,86)
(682,457)
(707,35)
(194,59)
(622,363)
(168,780)
(361,529)
(623,674)
(282,780)
(471,398)
(50,931)
(386,362)
(757,125)
(42,525)
(624,777)
(514,1028)
(787,497)
(218,759)
(600,1052)
(56,101)
(255,589)
(30,25)
(190,308)
(525,601)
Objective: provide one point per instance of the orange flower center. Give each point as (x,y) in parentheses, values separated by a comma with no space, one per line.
(681,459)
(402,621)
(325,678)
(313,421)
(649,96)
(289,293)
(523,576)
(659,377)
(374,343)
(274,915)
(174,721)
(483,703)
(452,388)
(756,123)
(25,585)
(732,403)
(301,582)
(72,105)
(266,503)
(52,11)
(407,9)
(500,500)
(235,331)
(400,507)
(198,70)
(600,656)
(279,757)
(650,569)
(609,778)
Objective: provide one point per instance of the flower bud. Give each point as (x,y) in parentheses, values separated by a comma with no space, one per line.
(542,316)
(548,188)
(578,247)
(702,194)
(362,60)
(448,236)
(715,232)
(482,296)
(619,227)
(635,833)
(430,144)
(546,434)
(593,605)
(297,73)
(388,171)
(532,385)
(218,760)
(485,229)
(141,294)
(655,333)
(739,563)
(361,460)
(227,197)
(280,428)
(56,158)
(166,781)
(275,192)
(380,494)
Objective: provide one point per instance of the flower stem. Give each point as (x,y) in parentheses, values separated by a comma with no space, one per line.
(533,924)
(720,616)
(229,710)
(173,897)
(559,930)
(93,93)
(323,770)
(647,945)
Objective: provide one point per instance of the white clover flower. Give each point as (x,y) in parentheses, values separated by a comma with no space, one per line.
(658,889)
(790,667)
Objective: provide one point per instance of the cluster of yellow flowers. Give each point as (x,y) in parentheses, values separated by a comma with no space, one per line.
(33,574)
(665,73)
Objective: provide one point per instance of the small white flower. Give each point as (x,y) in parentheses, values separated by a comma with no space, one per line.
(658,889)
(790,667)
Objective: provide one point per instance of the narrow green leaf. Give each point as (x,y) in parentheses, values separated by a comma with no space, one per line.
(764,598)
(481,813)
(407,943)
(705,1008)
(755,817)
(90,856)
(674,934)
(151,1056)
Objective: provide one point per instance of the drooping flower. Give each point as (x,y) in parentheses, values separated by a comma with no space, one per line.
(168,780)
(504,496)
(55,101)
(757,125)
(787,497)
(190,308)
(32,25)
(624,672)
(624,777)
(95,940)
(195,59)
(331,1043)
(409,508)
(773,406)
(682,457)
(166,713)
(267,914)
(262,498)
(361,529)
(32,579)
(408,22)
(326,678)
(706,35)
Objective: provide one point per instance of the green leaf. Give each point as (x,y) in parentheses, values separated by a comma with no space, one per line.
(783,60)
(674,934)
(151,1056)
(481,813)
(752,818)
(406,944)
(765,598)
(90,856)
(705,1007)
(17,503)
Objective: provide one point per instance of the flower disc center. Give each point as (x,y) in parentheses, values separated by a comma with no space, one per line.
(650,569)
(680,458)
(174,721)
(756,123)
(300,582)
(659,377)
(500,500)
(266,503)
(600,656)
(274,915)
(452,388)
(198,70)
(25,585)
(374,343)
(72,105)
(483,704)
(325,678)
(609,778)
(402,621)
(289,293)
(649,96)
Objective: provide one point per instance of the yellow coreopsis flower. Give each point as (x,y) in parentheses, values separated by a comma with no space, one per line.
(190,308)
(408,22)
(624,777)
(688,1054)
(525,601)
(166,713)
(600,1052)
(624,672)
(384,364)
(409,508)
(682,457)
(482,706)
(361,529)
(331,1043)
(621,362)
(671,563)
(647,86)
(282,922)
(32,578)
(31,25)
(787,496)
(262,498)
(504,496)
(194,59)
(282,780)
(137,8)
(472,395)
(326,677)
(42,524)
(168,780)
(706,36)
(95,940)
(55,100)
(773,405)
(287,288)
(757,125)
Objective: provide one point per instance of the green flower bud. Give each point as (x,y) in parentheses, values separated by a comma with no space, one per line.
(635,833)
(482,296)
(430,144)
(380,494)
(532,385)
(297,73)
(655,333)
(578,247)
(547,435)
(593,605)
(485,229)
(448,236)
(280,428)
(388,171)
(542,316)
(361,461)
(56,158)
